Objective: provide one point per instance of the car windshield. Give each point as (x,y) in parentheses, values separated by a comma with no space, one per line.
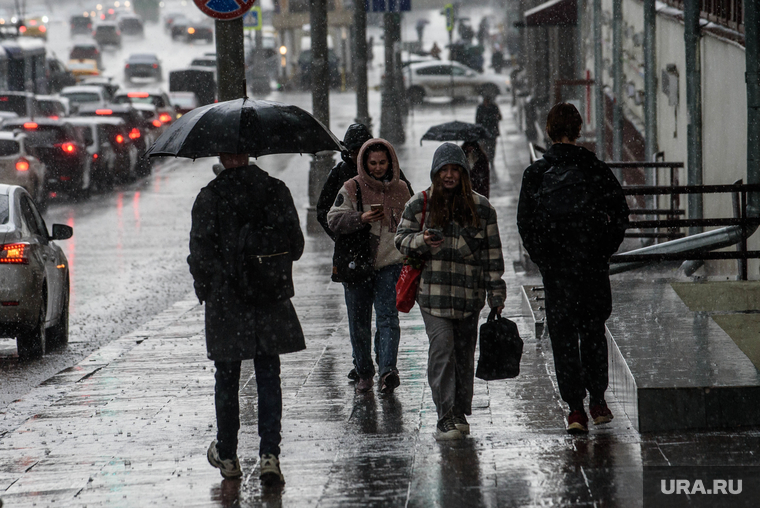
(143,58)
(106,29)
(187,101)
(131,23)
(83,52)
(14,104)
(42,135)
(135,99)
(81,97)
(8,147)
(4,209)
(49,108)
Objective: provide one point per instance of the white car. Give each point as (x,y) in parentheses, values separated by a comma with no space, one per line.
(84,94)
(19,167)
(34,276)
(434,79)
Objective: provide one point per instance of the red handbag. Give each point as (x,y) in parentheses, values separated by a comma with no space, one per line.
(409,281)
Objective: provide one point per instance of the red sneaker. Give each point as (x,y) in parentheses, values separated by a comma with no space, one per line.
(601,413)
(577,422)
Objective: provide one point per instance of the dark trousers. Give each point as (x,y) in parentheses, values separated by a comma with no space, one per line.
(267,369)
(577,305)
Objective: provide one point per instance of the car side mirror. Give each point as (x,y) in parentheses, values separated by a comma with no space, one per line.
(62,232)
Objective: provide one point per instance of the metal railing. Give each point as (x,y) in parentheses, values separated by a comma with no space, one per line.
(729,13)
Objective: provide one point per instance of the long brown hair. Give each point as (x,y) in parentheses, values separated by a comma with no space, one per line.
(457,205)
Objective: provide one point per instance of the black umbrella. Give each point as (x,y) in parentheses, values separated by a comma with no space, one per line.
(457,131)
(244,126)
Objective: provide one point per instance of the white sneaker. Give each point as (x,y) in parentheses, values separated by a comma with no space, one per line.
(270,473)
(230,468)
(446,430)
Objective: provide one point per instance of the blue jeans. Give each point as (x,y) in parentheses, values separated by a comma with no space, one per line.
(359,300)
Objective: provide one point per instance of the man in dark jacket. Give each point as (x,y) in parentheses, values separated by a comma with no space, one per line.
(572,216)
(236,330)
(488,115)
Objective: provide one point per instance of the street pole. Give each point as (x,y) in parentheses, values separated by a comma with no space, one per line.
(693,108)
(360,65)
(650,83)
(598,82)
(320,100)
(230,61)
(752,47)
(391,122)
(617,73)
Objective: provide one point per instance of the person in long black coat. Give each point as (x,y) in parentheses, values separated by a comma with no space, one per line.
(573,254)
(236,330)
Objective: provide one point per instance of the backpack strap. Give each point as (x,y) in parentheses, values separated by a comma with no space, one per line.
(424,207)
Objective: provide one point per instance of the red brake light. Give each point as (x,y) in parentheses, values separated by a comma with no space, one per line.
(22,165)
(126,66)
(94,156)
(54,117)
(14,253)
(33,22)
(43,29)
(104,112)
(138,95)
(134,133)
(67,147)
(155,66)
(119,138)
(165,117)
(22,29)
(30,125)
(156,123)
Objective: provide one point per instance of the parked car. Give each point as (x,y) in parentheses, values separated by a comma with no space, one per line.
(51,106)
(166,112)
(61,148)
(84,94)
(22,103)
(83,68)
(103,158)
(139,131)
(131,25)
(143,65)
(107,33)
(80,25)
(87,50)
(434,79)
(19,167)
(34,276)
(183,102)
(199,80)
(200,31)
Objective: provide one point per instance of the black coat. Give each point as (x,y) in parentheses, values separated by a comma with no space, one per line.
(235,330)
(340,174)
(567,249)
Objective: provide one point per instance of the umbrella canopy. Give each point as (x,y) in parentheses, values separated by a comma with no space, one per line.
(457,131)
(244,126)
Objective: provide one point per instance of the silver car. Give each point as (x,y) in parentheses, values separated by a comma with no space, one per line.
(34,276)
(435,79)
(19,167)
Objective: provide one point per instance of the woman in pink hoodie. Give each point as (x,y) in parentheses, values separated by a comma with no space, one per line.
(383,196)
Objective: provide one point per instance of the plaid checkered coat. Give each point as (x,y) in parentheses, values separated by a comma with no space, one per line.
(460,273)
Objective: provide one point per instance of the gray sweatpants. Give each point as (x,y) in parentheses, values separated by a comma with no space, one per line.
(451,362)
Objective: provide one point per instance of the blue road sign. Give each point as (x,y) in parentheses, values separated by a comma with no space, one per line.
(224,9)
(252,19)
(387,5)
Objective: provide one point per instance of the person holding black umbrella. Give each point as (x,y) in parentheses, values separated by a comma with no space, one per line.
(239,204)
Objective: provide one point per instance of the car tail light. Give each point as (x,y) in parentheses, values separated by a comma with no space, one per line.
(94,156)
(155,66)
(53,117)
(165,117)
(30,125)
(126,66)
(14,253)
(156,123)
(138,95)
(119,138)
(43,29)
(22,165)
(33,22)
(67,147)
(22,29)
(104,112)
(134,133)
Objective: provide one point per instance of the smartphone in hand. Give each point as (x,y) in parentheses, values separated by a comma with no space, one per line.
(437,234)
(376,207)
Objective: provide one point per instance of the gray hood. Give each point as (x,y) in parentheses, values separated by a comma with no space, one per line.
(449,153)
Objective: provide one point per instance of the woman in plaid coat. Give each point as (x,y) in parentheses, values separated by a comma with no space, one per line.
(459,241)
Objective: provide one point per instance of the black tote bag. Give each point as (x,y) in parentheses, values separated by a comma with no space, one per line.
(500,349)
(353,261)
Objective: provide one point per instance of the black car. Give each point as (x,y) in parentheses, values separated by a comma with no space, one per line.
(22,103)
(107,33)
(80,25)
(199,80)
(99,147)
(87,50)
(58,75)
(143,65)
(138,129)
(200,31)
(61,147)
(131,25)
(179,27)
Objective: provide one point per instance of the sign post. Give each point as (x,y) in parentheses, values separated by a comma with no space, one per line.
(230,57)
(450,14)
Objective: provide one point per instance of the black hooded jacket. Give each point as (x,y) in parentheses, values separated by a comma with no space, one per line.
(572,246)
